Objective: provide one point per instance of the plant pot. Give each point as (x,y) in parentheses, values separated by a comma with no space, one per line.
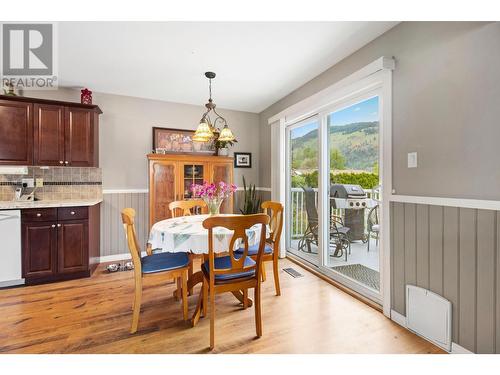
(223,151)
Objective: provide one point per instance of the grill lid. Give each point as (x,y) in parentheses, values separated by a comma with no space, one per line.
(347,191)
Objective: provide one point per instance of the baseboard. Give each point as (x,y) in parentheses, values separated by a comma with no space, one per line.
(115,257)
(398,318)
(457,349)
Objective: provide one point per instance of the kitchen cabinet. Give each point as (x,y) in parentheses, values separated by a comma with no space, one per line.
(59,243)
(16,130)
(46,132)
(171,177)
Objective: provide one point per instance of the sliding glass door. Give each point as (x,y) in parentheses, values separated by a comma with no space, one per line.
(333,192)
(302,176)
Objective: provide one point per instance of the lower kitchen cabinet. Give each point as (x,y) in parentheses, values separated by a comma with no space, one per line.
(59,243)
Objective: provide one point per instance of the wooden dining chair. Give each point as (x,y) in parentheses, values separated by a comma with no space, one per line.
(172,265)
(184,207)
(233,272)
(271,249)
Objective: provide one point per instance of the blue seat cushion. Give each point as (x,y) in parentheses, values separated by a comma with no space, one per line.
(225,263)
(254,249)
(163,262)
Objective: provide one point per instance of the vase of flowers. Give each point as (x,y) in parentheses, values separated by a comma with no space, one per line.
(213,194)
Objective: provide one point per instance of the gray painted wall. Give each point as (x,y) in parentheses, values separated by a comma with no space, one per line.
(446,90)
(126,134)
(454,252)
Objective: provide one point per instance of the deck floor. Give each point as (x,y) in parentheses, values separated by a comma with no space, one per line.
(93,315)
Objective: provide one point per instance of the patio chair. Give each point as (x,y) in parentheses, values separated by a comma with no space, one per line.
(339,234)
(373,225)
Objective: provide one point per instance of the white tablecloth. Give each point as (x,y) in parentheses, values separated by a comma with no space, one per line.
(186,233)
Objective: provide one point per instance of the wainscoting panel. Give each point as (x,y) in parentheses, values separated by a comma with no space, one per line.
(112,234)
(454,252)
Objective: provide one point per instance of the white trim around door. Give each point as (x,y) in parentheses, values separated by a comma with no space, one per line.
(374,79)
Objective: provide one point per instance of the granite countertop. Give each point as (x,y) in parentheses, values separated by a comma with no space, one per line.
(8,205)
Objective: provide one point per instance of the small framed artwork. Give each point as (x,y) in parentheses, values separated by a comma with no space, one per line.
(242,160)
(179,141)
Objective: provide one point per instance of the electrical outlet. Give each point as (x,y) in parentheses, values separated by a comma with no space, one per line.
(30,182)
(39,182)
(412,160)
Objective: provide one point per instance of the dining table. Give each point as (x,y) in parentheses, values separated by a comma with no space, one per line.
(187,234)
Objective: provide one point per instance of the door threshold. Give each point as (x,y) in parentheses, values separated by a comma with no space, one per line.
(336,284)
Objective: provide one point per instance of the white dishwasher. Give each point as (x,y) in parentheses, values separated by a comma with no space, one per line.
(10,248)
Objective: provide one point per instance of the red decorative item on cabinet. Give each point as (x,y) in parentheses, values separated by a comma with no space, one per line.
(86,97)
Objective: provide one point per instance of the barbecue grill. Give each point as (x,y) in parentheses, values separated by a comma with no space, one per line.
(353,199)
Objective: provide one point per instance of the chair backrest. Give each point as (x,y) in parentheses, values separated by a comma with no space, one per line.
(239,224)
(373,216)
(128,220)
(183,208)
(312,211)
(276,221)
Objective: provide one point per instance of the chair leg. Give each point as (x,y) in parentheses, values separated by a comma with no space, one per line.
(263,272)
(177,294)
(204,308)
(184,296)
(190,272)
(137,305)
(245,298)
(212,318)
(258,312)
(368,250)
(276,277)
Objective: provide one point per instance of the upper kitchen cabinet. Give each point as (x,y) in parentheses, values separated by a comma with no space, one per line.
(48,132)
(16,130)
(81,138)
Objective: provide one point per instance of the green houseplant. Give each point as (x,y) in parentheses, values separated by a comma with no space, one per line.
(251,204)
(222,147)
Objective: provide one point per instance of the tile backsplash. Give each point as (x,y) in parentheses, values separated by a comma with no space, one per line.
(59,183)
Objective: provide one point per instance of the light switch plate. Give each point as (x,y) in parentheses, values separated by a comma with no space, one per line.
(412,160)
(39,182)
(30,182)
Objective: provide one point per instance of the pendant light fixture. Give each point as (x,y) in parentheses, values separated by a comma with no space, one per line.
(207,130)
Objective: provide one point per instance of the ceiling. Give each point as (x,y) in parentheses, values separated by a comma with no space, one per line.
(256,63)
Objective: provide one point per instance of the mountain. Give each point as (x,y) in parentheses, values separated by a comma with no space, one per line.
(356,142)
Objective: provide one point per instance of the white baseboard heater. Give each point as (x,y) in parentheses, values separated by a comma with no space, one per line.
(429,315)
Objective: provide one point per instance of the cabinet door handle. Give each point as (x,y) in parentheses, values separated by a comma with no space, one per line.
(66,162)
(58,225)
(53,225)
(72,212)
(61,162)
(38,215)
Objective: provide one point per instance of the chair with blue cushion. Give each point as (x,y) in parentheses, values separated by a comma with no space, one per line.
(271,249)
(171,265)
(233,272)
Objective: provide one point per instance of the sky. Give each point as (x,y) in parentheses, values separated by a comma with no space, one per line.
(365,111)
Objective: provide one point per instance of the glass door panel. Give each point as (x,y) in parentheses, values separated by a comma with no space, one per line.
(302,215)
(192,174)
(353,147)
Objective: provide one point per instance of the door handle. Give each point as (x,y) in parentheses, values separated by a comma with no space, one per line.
(66,162)
(61,162)
(58,225)
(53,225)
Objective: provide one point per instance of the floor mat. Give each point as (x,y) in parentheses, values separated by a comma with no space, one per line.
(363,274)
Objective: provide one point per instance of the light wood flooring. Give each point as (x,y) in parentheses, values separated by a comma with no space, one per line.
(93,315)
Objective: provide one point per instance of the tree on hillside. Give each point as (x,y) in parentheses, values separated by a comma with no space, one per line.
(337,160)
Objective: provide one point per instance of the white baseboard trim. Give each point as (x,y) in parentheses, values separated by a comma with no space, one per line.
(457,349)
(113,258)
(398,318)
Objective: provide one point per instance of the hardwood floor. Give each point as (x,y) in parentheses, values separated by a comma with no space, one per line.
(93,316)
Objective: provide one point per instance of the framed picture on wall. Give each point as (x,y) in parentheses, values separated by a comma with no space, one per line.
(243,160)
(179,141)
